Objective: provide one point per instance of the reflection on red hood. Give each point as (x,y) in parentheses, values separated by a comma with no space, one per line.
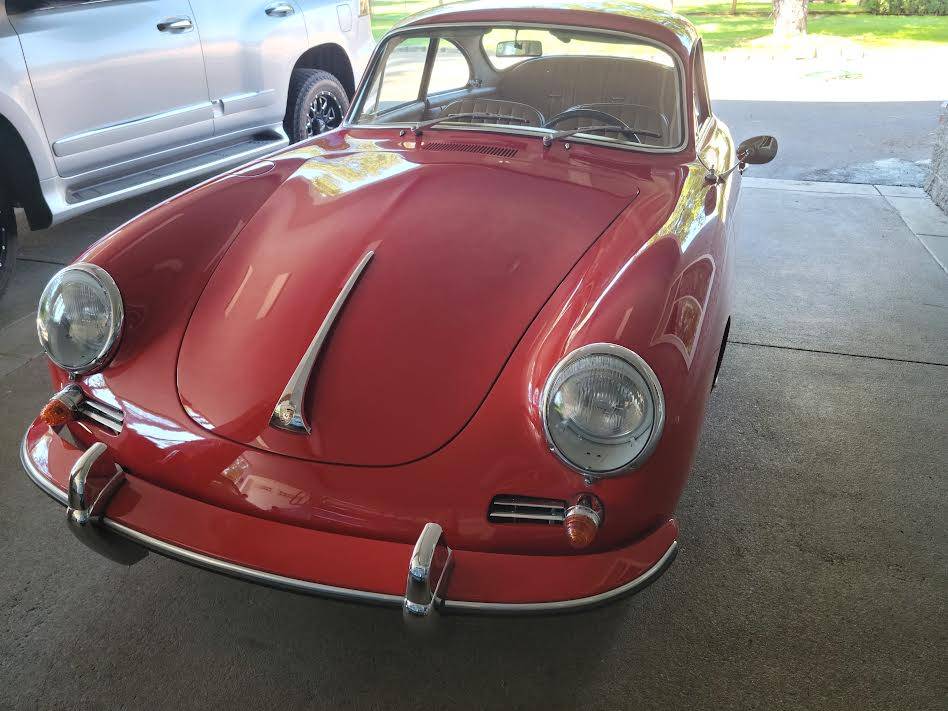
(468,247)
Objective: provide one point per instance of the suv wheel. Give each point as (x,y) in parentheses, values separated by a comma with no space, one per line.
(7,243)
(317,103)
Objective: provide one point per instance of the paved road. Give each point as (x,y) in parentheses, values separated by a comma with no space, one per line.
(811,575)
(851,142)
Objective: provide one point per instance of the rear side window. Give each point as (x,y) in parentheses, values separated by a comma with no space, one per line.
(450,70)
(398,82)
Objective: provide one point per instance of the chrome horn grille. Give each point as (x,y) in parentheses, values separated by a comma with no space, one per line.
(106,416)
(507,508)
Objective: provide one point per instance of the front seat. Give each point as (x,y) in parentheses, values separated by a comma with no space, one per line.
(501,107)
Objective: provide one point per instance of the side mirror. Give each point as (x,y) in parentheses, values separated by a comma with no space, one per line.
(757,150)
(520,48)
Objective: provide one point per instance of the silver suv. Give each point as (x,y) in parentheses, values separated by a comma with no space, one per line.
(104,99)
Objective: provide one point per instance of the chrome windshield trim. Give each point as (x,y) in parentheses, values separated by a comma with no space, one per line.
(288,413)
(684,123)
(216,565)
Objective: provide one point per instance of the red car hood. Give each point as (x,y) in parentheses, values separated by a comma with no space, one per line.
(467,250)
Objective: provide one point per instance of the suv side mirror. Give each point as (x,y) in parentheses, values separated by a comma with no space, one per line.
(757,150)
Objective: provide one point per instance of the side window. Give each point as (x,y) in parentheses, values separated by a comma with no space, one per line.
(400,82)
(450,70)
(702,102)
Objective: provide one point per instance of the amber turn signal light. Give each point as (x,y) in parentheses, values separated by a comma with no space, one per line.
(582,522)
(56,413)
(61,407)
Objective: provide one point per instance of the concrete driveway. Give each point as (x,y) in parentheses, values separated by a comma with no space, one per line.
(812,568)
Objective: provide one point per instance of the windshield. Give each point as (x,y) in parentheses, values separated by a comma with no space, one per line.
(603,87)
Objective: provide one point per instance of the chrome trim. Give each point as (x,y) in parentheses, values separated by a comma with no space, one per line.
(510,508)
(540,608)
(118,316)
(252,574)
(205,561)
(100,419)
(78,142)
(84,520)
(428,570)
(101,408)
(528,502)
(658,397)
(71,396)
(359,97)
(104,415)
(48,487)
(585,511)
(79,511)
(288,412)
(555,518)
(304,586)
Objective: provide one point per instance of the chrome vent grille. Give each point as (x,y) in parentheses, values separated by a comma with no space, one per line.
(106,416)
(481,148)
(526,509)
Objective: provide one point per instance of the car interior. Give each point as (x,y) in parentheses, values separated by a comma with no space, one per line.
(529,83)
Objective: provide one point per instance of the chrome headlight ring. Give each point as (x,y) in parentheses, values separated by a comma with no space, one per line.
(601,454)
(80,331)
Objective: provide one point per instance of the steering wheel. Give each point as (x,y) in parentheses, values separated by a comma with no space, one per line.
(580,112)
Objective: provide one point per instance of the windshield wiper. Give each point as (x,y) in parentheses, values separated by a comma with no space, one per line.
(419,127)
(634,132)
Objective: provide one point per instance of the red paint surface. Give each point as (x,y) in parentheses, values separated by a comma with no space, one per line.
(457,277)
(415,438)
(351,562)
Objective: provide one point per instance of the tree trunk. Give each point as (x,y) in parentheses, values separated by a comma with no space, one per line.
(790,17)
(733,7)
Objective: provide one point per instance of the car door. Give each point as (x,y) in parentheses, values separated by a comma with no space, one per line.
(114,79)
(249,53)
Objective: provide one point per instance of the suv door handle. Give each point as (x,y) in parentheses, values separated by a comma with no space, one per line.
(280,9)
(176,24)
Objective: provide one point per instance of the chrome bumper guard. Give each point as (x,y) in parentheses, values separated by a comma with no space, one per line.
(84,519)
(429,567)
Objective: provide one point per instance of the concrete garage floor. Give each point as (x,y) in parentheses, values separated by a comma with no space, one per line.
(812,568)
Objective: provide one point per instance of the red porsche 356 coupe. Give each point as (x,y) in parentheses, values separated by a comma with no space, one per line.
(453,356)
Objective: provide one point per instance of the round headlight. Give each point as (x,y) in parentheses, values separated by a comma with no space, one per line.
(79,318)
(603,409)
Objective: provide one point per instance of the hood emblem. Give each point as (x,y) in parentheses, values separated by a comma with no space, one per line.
(288,414)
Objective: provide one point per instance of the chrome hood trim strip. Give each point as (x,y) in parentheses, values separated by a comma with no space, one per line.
(288,413)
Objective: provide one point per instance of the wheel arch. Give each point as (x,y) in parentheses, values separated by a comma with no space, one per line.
(18,175)
(332,58)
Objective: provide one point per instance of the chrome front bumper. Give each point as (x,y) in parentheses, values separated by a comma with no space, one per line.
(428,568)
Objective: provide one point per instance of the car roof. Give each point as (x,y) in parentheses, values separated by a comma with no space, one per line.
(629,17)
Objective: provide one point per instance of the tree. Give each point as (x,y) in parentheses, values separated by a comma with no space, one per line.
(733,7)
(790,17)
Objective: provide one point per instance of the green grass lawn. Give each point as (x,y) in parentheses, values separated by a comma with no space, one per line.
(723,31)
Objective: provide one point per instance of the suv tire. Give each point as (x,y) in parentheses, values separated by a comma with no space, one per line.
(316,103)
(7,241)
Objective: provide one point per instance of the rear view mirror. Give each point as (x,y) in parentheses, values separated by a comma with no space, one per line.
(520,48)
(757,150)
